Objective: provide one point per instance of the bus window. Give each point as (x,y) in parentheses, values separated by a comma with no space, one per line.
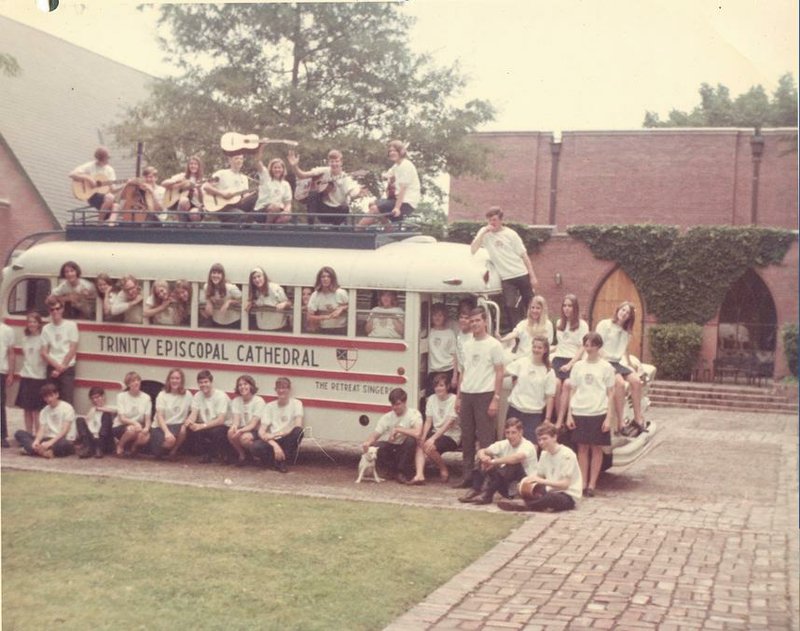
(327,311)
(271,310)
(380,313)
(301,300)
(221,309)
(29,295)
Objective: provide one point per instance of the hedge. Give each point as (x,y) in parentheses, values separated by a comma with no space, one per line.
(789,337)
(675,349)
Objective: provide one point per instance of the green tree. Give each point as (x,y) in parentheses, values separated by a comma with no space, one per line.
(329,75)
(750,109)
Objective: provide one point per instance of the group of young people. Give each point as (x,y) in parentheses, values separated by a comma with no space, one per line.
(190,196)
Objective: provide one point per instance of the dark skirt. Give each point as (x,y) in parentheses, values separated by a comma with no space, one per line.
(588,431)
(557,363)
(28,395)
(621,370)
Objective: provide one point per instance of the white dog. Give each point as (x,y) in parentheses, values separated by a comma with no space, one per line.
(368,462)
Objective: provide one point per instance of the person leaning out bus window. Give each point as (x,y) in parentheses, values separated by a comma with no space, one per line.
(223,299)
(106,292)
(327,307)
(159,307)
(128,302)
(268,305)
(78,294)
(182,301)
(387,319)
(59,348)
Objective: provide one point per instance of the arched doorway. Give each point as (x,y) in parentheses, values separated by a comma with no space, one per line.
(617,288)
(748,322)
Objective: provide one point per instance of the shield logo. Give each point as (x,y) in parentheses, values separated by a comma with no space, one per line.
(347,357)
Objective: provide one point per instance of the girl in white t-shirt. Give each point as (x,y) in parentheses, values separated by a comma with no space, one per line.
(190,197)
(160,305)
(442,345)
(268,305)
(591,387)
(247,410)
(570,331)
(274,203)
(387,319)
(402,191)
(173,406)
(33,374)
(531,398)
(616,333)
(440,432)
(106,292)
(537,323)
(222,299)
(327,306)
(134,409)
(77,294)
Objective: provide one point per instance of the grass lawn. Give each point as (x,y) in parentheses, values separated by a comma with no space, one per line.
(98,553)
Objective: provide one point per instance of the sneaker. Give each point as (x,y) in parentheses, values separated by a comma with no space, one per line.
(470,496)
(508,505)
(280,467)
(484,499)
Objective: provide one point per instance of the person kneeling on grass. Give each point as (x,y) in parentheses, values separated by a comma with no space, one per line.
(281,428)
(501,464)
(396,434)
(557,471)
(55,434)
(95,430)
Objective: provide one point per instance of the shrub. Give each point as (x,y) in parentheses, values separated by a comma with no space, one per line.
(789,337)
(675,348)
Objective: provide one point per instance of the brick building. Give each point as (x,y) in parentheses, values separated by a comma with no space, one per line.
(684,177)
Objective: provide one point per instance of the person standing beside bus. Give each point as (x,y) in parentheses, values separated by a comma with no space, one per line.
(77,294)
(7,359)
(33,374)
(268,305)
(59,349)
(327,307)
(173,407)
(281,428)
(479,390)
(512,262)
(223,299)
(206,424)
(94,173)
(127,303)
(247,410)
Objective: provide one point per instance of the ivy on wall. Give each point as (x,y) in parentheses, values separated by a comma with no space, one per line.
(684,276)
(465,231)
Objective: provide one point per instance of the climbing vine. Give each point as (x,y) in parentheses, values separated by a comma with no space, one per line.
(684,276)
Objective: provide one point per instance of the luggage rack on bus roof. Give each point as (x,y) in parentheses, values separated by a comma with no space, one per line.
(237,229)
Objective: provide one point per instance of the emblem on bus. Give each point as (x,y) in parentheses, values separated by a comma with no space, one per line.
(347,357)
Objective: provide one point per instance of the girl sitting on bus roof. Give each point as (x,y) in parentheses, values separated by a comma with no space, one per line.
(78,294)
(327,307)
(222,299)
(268,305)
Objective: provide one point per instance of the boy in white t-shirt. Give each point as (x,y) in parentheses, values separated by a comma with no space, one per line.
(205,426)
(56,432)
(59,348)
(500,464)
(557,471)
(281,428)
(95,430)
(396,434)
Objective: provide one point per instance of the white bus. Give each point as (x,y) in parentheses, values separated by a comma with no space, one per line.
(343,380)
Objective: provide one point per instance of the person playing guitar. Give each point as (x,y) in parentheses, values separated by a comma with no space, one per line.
(402,190)
(92,175)
(185,188)
(230,184)
(338,188)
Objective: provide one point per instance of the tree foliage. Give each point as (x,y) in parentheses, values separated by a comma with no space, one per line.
(750,109)
(327,74)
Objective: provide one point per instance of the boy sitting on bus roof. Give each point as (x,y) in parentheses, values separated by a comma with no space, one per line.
(396,434)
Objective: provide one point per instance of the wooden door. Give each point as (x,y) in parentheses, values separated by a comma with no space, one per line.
(616,289)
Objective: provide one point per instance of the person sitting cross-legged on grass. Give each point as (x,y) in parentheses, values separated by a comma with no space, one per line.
(205,426)
(501,464)
(55,434)
(281,428)
(557,470)
(396,435)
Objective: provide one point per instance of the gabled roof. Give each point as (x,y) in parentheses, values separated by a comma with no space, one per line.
(55,113)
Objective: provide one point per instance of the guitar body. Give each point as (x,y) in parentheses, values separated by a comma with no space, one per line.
(217,203)
(83,191)
(233,142)
(136,203)
(307,185)
(531,490)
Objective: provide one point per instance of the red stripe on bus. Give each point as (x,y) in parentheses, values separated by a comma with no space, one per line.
(268,370)
(220,334)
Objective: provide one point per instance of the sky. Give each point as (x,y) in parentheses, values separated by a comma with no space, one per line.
(545,65)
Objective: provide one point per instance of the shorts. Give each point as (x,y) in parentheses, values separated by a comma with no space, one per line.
(444,443)
(28,396)
(557,363)
(96,200)
(621,370)
(588,430)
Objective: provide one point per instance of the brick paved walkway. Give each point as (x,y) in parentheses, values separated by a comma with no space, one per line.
(700,534)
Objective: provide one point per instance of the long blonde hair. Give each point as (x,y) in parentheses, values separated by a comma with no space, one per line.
(537,328)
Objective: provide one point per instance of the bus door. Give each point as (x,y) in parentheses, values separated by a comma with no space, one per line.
(493,315)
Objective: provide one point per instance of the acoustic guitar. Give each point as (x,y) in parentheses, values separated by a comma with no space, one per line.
(82,190)
(172,195)
(319,183)
(531,490)
(217,203)
(232,142)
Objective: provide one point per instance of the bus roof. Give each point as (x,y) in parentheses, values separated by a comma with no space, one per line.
(418,263)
